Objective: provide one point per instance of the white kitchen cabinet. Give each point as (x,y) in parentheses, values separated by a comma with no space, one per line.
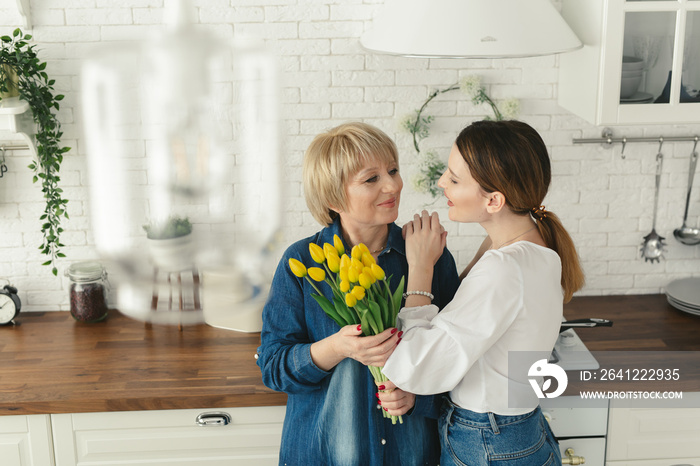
(664,34)
(654,436)
(169,437)
(580,425)
(25,441)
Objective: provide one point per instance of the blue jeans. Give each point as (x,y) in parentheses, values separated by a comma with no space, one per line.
(487,439)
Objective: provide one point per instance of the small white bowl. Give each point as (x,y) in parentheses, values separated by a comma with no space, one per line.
(632,63)
(629,86)
(631,74)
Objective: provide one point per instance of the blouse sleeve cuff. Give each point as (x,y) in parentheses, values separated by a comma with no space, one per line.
(416,316)
(305,366)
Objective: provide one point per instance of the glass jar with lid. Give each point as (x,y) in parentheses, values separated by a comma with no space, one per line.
(87,291)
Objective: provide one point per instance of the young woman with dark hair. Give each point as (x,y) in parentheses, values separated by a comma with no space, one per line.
(510,301)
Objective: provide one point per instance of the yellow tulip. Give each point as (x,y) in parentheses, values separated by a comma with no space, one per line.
(344,261)
(333,263)
(350,300)
(338,243)
(365,281)
(358,292)
(367,271)
(356,263)
(330,251)
(297,268)
(378,272)
(317,253)
(344,286)
(353,275)
(356,252)
(367,259)
(343,273)
(364,248)
(317,274)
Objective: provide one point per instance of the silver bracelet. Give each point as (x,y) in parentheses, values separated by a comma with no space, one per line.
(422,293)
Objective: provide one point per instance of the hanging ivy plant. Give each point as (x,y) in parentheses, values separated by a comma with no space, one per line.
(418,125)
(18,56)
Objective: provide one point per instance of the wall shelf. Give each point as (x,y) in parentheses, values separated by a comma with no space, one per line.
(16,117)
(25,11)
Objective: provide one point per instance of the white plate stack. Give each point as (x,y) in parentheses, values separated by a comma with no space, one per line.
(684,294)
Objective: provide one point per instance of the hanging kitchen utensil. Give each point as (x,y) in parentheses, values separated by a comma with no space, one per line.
(653,245)
(685,234)
(584,323)
(3,167)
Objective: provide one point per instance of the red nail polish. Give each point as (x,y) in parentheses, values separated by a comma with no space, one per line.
(398,341)
(379,402)
(386,409)
(381,387)
(393,331)
(359,328)
(400,334)
(377,395)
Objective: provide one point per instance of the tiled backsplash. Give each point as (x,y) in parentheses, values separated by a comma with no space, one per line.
(605,201)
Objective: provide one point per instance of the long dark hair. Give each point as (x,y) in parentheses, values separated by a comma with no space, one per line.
(510,157)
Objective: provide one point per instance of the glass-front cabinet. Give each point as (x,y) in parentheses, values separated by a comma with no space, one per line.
(640,62)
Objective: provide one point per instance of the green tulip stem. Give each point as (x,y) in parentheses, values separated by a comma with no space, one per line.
(314,285)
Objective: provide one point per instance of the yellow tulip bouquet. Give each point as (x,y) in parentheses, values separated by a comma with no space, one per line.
(361,292)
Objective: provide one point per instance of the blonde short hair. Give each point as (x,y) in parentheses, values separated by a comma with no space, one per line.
(335,156)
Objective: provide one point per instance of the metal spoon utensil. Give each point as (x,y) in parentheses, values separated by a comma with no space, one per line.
(653,245)
(685,234)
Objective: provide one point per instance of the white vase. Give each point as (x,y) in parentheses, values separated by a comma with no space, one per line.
(174,254)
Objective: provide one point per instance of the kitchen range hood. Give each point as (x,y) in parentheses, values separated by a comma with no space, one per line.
(470,29)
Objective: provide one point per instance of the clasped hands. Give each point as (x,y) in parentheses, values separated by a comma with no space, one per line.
(393,400)
(425,238)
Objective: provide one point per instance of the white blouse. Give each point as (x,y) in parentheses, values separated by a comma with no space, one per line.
(511,300)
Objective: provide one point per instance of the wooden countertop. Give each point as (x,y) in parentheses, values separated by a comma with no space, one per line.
(52,364)
(647,333)
(640,323)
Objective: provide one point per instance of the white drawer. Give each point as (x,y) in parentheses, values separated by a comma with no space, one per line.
(573,417)
(654,434)
(168,437)
(591,449)
(657,462)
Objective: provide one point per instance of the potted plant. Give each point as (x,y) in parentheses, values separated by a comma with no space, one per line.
(170,243)
(22,73)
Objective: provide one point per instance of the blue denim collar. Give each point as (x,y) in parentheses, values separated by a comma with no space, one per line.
(394,242)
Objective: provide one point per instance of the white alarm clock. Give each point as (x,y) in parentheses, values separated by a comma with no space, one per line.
(9,305)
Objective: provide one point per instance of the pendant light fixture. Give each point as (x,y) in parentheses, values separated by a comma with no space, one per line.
(470,29)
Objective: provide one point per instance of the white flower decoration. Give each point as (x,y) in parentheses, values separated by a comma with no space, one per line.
(470,84)
(510,108)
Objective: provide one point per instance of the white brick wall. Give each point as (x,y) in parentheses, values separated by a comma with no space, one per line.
(328,78)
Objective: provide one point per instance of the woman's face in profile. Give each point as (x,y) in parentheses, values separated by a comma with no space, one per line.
(373,195)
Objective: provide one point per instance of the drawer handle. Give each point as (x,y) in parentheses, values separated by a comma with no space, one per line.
(571,458)
(213,419)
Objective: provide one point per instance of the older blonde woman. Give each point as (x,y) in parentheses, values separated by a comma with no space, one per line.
(352,187)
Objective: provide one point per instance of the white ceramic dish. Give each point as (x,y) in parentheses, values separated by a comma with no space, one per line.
(685,291)
(629,86)
(631,73)
(632,63)
(639,97)
(682,307)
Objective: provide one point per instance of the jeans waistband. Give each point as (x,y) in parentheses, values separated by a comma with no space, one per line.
(482,420)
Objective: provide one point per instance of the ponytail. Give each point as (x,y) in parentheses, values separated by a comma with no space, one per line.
(557,238)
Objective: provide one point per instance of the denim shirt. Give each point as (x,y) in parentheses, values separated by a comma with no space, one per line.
(332,417)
